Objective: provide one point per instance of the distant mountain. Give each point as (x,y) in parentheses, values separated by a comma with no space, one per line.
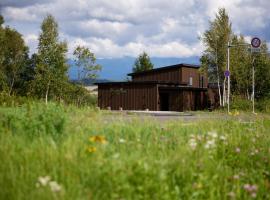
(89,81)
(116,69)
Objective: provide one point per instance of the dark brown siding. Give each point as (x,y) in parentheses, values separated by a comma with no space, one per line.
(213,97)
(194,100)
(169,75)
(128,96)
(194,73)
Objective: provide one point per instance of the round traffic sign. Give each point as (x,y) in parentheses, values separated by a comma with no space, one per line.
(227,73)
(255,42)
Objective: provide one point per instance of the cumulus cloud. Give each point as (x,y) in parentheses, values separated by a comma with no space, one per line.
(127,27)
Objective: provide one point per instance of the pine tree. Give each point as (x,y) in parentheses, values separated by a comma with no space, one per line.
(142,63)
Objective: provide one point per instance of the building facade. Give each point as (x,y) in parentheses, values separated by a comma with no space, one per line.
(173,88)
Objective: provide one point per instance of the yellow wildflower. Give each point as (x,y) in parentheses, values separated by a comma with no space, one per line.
(97,138)
(91,149)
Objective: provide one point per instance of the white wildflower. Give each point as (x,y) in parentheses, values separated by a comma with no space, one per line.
(55,187)
(192,143)
(210,144)
(121,140)
(43,181)
(237,150)
(213,134)
(222,137)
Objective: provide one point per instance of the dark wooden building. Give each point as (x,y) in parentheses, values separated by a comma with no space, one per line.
(173,88)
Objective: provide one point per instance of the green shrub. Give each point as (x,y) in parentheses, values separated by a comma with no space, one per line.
(263,105)
(239,103)
(33,119)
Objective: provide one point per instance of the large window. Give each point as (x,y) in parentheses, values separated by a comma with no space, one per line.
(190,81)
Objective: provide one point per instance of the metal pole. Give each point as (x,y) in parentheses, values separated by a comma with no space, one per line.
(253,86)
(228,68)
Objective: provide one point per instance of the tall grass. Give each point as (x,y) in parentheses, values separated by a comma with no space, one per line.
(91,157)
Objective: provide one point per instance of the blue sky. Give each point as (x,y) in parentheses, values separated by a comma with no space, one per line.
(117,28)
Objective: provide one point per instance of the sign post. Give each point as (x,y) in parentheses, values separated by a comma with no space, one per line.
(228,77)
(255,43)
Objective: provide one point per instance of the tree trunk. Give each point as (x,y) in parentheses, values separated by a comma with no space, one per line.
(47,92)
(11,86)
(224,93)
(219,92)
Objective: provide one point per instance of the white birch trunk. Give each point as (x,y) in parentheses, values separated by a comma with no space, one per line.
(47,92)
(224,93)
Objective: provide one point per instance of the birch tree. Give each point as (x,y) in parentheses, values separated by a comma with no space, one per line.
(85,62)
(51,68)
(214,58)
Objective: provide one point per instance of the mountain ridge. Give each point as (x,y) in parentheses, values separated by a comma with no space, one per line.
(116,69)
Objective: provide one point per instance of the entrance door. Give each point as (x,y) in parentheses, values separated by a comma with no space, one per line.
(164,101)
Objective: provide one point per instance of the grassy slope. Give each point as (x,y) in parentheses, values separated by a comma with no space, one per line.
(140,160)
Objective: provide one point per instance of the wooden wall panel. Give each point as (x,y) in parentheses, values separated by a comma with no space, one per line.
(169,75)
(128,96)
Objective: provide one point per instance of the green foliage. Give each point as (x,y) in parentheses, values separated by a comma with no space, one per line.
(214,59)
(142,63)
(216,39)
(213,159)
(34,119)
(13,58)
(241,104)
(51,68)
(86,63)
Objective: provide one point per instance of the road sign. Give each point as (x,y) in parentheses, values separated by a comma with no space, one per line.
(227,73)
(255,50)
(255,42)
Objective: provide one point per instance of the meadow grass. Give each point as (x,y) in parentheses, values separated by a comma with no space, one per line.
(59,152)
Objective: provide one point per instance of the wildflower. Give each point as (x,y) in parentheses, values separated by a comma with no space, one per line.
(97,138)
(222,137)
(236,113)
(121,140)
(116,155)
(192,143)
(209,144)
(197,186)
(236,177)
(253,195)
(43,181)
(55,187)
(251,189)
(91,149)
(231,194)
(199,138)
(213,134)
(237,150)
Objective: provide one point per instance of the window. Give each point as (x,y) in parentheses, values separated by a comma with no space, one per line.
(190,81)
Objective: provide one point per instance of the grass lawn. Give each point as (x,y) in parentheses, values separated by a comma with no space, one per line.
(57,152)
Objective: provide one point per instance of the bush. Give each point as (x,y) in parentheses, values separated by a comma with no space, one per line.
(239,103)
(263,105)
(34,119)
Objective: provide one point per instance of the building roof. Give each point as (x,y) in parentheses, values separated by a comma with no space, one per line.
(140,83)
(165,68)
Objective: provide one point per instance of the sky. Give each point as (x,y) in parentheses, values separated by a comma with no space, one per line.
(118,28)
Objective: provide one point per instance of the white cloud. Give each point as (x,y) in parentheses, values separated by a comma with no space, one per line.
(127,27)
